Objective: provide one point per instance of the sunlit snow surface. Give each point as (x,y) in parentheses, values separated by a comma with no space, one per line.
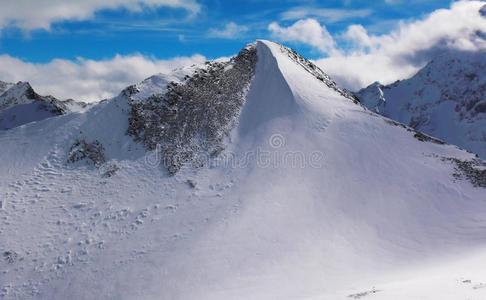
(372,212)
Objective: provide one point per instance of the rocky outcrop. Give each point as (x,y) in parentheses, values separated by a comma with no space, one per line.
(92,152)
(189,121)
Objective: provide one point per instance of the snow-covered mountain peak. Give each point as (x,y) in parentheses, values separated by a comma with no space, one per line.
(310,67)
(164,108)
(280,187)
(19,93)
(373,97)
(20,104)
(192,111)
(444,99)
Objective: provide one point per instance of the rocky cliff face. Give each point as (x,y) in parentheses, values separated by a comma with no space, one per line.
(191,118)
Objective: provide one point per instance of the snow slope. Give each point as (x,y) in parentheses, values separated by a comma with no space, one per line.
(445,99)
(314,197)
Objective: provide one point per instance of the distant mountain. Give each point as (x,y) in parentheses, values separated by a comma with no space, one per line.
(20,104)
(4,86)
(252,178)
(446,99)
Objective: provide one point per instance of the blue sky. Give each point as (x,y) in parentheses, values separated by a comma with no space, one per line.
(92,49)
(164,32)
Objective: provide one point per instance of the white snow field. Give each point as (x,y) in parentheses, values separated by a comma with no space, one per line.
(327,200)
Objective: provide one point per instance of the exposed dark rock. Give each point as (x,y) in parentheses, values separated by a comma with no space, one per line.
(363,294)
(83,150)
(395,123)
(129,91)
(472,170)
(416,134)
(191,183)
(10,256)
(426,138)
(192,118)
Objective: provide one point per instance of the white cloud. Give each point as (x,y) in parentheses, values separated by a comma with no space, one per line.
(40,14)
(330,15)
(230,31)
(358,35)
(88,80)
(307,31)
(400,53)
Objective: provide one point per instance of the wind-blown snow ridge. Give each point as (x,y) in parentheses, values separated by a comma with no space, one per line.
(317,72)
(328,201)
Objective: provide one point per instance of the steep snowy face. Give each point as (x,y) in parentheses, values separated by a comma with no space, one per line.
(19,93)
(445,99)
(20,104)
(317,73)
(307,195)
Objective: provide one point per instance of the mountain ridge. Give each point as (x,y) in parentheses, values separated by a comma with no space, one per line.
(444,99)
(20,105)
(312,197)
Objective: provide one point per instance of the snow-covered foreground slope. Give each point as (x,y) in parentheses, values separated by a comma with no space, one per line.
(313,197)
(446,99)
